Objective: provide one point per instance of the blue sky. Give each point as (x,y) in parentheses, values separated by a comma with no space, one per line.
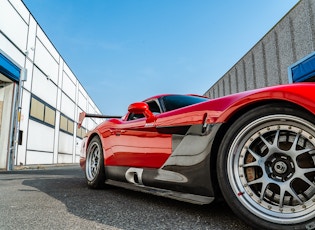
(124,51)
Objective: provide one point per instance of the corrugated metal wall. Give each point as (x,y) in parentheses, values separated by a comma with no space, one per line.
(291,39)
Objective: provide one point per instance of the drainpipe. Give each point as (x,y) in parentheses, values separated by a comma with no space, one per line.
(15,122)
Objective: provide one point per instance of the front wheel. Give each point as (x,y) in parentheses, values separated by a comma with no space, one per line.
(94,165)
(266,168)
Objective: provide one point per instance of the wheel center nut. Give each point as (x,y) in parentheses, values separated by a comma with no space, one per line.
(280,167)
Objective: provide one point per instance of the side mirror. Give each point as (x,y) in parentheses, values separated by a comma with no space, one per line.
(142,108)
(138,107)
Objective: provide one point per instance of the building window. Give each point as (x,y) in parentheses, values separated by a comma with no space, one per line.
(66,124)
(50,115)
(42,112)
(37,109)
(81,132)
(63,123)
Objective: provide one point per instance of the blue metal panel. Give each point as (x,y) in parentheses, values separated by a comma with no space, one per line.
(9,69)
(303,69)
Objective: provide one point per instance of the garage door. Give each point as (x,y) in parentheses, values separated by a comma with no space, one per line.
(303,70)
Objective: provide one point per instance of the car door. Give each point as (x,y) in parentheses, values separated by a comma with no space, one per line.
(137,143)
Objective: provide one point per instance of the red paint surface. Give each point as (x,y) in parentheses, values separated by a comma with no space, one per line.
(137,143)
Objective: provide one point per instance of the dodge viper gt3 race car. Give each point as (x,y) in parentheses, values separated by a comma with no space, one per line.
(256,149)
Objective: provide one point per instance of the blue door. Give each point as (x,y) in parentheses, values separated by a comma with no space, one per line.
(303,70)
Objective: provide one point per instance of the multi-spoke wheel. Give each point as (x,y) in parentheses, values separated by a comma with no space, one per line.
(94,166)
(266,168)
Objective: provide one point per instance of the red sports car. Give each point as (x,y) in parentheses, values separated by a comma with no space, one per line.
(255,148)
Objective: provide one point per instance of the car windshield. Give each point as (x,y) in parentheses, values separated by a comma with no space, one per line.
(172,102)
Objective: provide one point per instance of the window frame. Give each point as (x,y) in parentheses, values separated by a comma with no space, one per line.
(44,120)
(68,121)
(81,132)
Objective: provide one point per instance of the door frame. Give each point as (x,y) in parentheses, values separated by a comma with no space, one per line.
(12,71)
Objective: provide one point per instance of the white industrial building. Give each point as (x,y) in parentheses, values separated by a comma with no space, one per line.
(40,97)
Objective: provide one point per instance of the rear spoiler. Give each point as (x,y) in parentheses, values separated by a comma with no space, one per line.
(84,115)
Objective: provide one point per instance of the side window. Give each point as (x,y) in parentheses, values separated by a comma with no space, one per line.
(154,107)
(133,116)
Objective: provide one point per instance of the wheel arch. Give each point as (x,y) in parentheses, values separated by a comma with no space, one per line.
(91,136)
(233,116)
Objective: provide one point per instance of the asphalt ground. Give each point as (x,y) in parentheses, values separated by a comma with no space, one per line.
(58,198)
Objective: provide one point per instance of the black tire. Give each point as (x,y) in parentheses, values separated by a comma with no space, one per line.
(266,168)
(94,165)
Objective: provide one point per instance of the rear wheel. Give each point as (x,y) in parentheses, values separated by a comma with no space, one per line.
(266,168)
(94,166)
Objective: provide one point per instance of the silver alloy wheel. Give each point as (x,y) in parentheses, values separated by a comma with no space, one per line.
(93,161)
(271,168)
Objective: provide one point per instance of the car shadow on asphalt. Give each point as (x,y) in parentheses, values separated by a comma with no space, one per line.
(127,209)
